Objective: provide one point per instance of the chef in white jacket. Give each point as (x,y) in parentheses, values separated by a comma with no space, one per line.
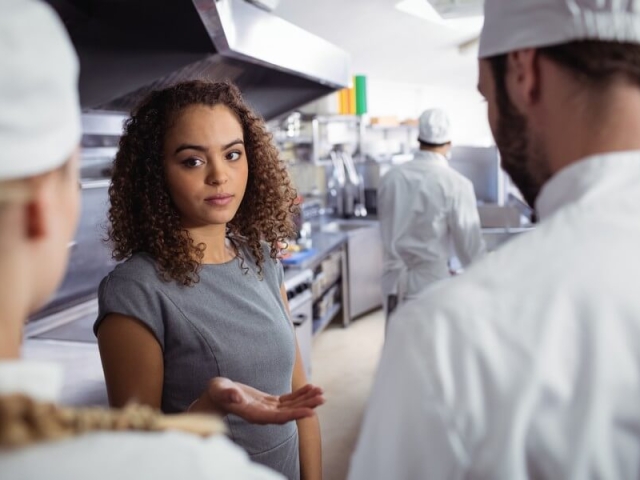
(424,207)
(528,366)
(39,137)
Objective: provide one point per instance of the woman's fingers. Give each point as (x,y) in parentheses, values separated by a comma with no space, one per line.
(312,397)
(226,396)
(311,402)
(298,393)
(270,415)
(302,392)
(283,416)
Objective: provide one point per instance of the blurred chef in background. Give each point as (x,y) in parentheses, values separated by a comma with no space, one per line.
(424,207)
(528,365)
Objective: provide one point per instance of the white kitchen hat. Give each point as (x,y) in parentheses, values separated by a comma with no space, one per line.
(511,25)
(39,107)
(434,127)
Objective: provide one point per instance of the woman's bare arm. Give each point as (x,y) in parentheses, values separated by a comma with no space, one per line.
(308,428)
(133,364)
(132,361)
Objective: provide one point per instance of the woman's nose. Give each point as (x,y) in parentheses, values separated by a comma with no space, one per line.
(217,174)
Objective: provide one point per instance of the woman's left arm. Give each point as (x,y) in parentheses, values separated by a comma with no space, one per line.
(308,428)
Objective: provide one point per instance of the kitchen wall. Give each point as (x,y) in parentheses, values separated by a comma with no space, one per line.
(411,62)
(467,108)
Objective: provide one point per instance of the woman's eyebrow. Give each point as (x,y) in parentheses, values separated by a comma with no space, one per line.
(237,141)
(186,146)
(200,148)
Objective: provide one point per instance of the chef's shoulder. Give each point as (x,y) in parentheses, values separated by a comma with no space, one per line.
(148,455)
(482,310)
(394,174)
(463,340)
(458,182)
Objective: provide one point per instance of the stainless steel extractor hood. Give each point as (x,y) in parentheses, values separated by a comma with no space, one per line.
(128,47)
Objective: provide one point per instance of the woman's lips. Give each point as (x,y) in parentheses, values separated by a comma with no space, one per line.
(219,200)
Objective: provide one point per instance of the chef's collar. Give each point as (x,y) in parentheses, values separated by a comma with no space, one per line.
(576,180)
(432,157)
(39,380)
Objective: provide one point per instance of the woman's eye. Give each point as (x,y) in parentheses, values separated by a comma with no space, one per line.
(192,162)
(233,156)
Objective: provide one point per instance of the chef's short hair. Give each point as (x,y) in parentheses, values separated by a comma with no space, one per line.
(592,63)
(433,145)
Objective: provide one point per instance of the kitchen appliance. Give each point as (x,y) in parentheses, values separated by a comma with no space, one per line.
(481,165)
(346,187)
(298,286)
(128,48)
(369,170)
(364,264)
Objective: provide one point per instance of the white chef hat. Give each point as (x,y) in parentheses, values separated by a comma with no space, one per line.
(39,107)
(516,24)
(434,127)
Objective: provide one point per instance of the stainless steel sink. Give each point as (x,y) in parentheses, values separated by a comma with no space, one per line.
(347,225)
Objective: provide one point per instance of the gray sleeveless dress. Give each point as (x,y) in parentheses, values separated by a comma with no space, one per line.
(231,324)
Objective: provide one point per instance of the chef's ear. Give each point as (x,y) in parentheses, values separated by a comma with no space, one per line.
(38,206)
(22,208)
(36,224)
(523,78)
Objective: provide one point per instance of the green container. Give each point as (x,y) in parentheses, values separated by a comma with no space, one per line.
(360,84)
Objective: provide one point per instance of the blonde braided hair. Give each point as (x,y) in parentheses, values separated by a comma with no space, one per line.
(25,421)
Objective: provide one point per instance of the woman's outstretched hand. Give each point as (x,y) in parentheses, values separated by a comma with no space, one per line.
(224,396)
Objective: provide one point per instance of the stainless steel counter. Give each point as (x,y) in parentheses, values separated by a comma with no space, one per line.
(359,241)
(323,243)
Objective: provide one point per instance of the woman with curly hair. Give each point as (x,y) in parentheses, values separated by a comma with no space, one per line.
(39,207)
(199,203)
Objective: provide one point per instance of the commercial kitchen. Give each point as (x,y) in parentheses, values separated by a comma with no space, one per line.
(295,63)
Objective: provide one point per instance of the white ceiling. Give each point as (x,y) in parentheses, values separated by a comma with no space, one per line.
(388,44)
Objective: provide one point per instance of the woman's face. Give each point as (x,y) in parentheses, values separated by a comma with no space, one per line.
(206,165)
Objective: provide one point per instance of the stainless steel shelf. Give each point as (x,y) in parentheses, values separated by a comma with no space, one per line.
(319,324)
(326,289)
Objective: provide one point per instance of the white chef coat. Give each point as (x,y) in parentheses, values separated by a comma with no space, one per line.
(424,206)
(116,455)
(527,366)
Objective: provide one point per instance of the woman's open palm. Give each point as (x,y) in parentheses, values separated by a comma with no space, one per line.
(258,407)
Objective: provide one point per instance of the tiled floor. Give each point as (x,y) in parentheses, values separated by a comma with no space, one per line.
(344,363)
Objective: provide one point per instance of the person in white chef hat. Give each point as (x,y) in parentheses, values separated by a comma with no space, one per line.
(424,207)
(528,366)
(39,203)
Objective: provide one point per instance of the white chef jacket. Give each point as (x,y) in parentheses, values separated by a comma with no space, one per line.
(424,206)
(116,455)
(527,366)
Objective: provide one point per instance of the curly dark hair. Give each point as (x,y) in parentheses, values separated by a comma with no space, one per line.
(144,218)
